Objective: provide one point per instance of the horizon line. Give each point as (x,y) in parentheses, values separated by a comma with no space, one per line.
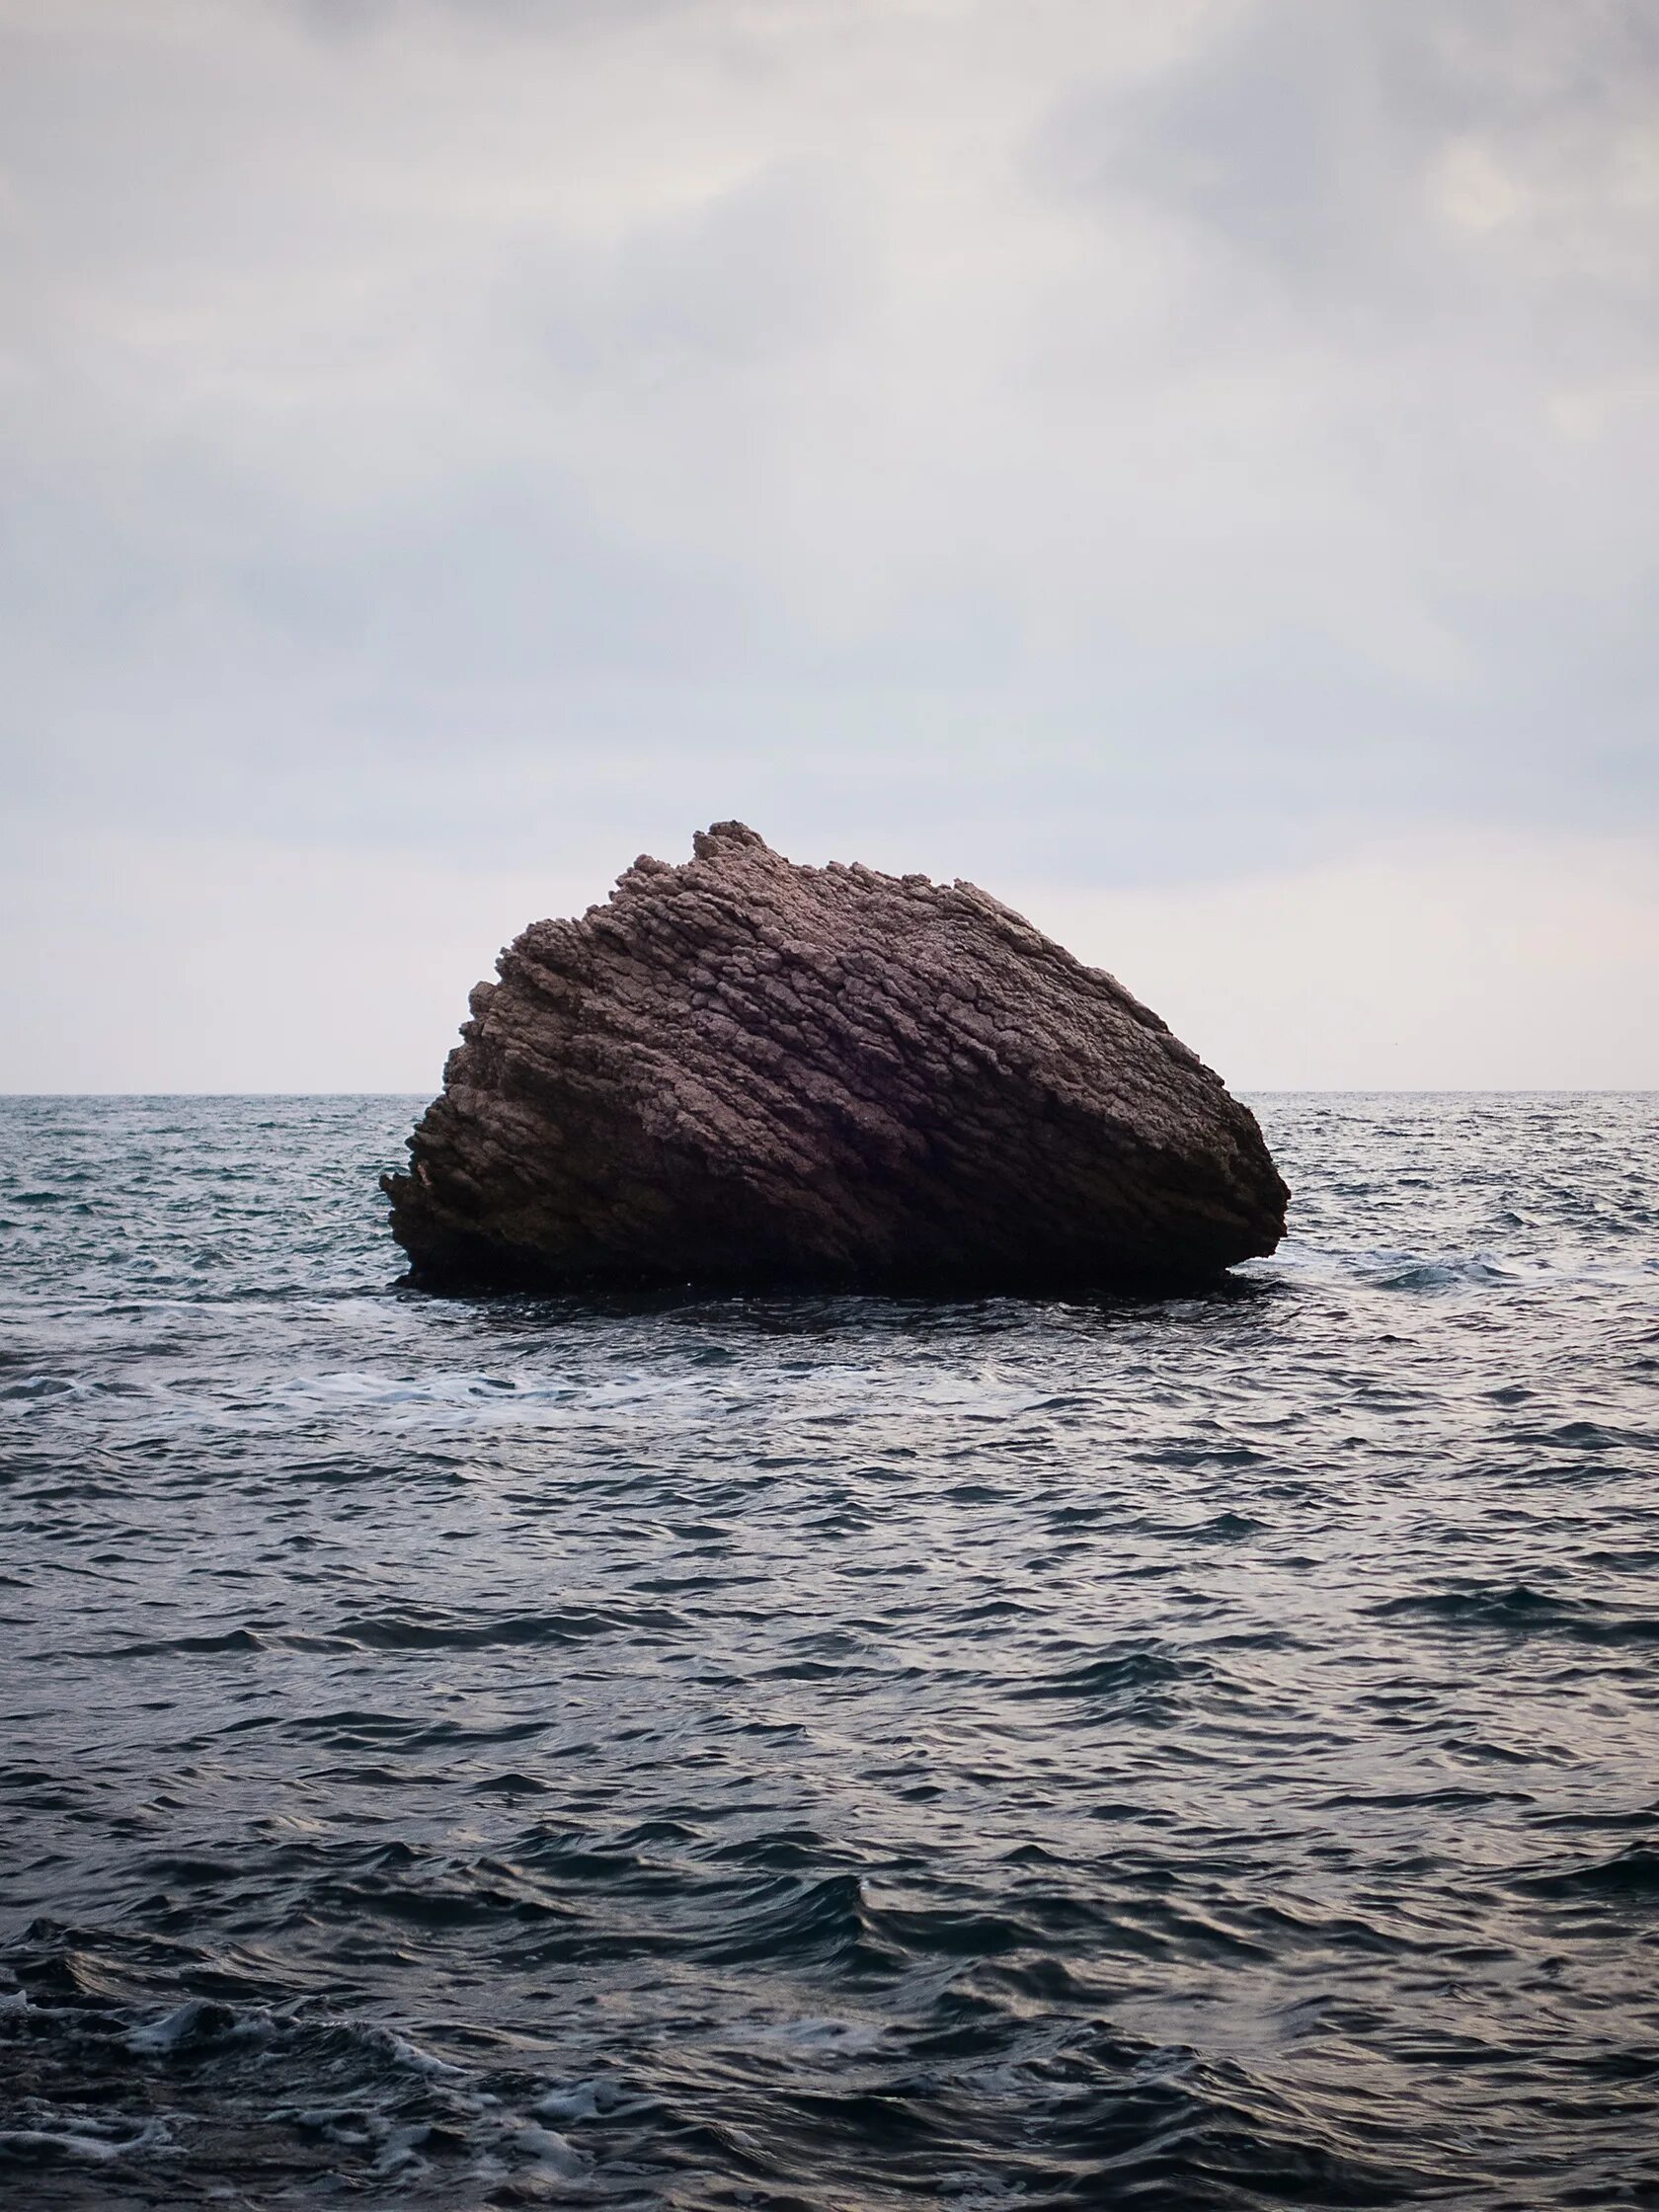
(1247,1090)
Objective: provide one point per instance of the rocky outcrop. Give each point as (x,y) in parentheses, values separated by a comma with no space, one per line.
(740,1072)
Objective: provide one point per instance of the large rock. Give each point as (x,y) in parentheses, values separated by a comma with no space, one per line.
(740,1072)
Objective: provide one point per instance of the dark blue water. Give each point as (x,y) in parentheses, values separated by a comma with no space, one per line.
(831,1754)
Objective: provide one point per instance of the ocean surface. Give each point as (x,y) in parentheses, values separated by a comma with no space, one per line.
(829,1754)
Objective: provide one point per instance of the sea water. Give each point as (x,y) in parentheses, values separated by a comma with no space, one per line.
(831,1753)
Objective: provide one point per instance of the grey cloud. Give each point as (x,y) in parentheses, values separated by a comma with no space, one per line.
(1451,200)
(346,19)
(1304,132)
(632,416)
(784,259)
(1254,136)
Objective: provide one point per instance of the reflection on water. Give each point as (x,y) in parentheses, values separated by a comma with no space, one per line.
(828,1753)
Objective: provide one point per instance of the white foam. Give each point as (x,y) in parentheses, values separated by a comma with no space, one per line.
(583,2100)
(167,2035)
(398,2152)
(405,2053)
(70,2142)
(547,2148)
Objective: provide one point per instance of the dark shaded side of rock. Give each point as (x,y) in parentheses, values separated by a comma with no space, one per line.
(743,1073)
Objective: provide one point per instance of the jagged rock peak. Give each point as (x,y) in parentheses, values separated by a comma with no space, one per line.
(744,1071)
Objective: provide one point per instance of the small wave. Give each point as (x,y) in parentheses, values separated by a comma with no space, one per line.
(1632,1874)
(798,1923)
(38,1390)
(1112,1676)
(87,2142)
(231,1640)
(194,2025)
(573,1625)
(1391,1269)
(1460,1272)
(1522,1612)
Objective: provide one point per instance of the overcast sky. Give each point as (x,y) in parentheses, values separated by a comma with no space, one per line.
(1188,467)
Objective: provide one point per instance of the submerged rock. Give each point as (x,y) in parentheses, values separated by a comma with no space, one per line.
(741,1071)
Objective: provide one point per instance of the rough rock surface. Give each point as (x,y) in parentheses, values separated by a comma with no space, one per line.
(747,1072)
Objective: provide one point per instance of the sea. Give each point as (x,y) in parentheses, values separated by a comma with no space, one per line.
(829,1754)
